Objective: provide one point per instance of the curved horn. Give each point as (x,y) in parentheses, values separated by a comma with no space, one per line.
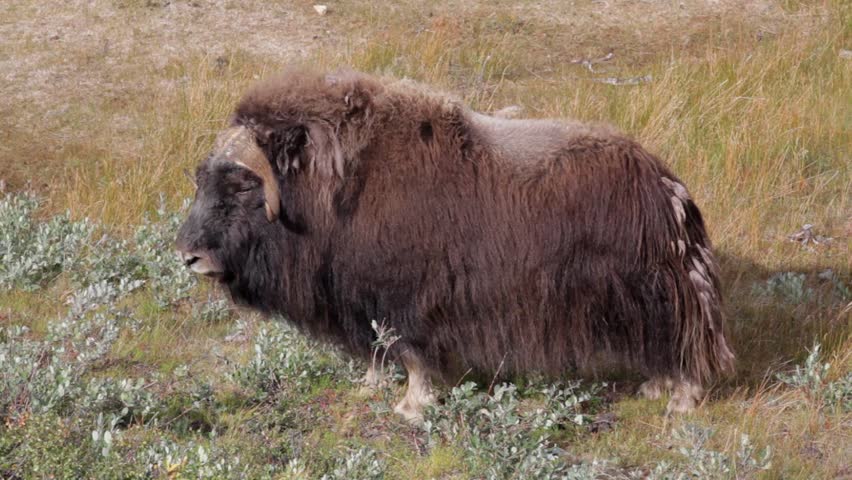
(237,145)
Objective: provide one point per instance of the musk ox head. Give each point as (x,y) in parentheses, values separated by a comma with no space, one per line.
(237,195)
(296,124)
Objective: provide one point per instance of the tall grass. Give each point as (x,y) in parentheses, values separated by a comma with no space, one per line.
(177,125)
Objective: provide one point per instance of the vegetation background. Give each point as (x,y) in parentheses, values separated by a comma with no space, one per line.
(115,363)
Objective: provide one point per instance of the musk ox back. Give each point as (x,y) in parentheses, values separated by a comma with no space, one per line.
(487,244)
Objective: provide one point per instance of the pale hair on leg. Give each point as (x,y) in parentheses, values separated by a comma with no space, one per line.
(656,387)
(686,396)
(419,393)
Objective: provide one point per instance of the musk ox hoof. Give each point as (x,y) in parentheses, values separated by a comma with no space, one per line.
(411,409)
(685,397)
(407,411)
(656,387)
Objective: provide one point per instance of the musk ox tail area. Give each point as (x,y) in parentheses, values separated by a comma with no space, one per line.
(703,350)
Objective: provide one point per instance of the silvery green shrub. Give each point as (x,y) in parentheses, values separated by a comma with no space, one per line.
(123,399)
(360,464)
(33,252)
(168,278)
(284,357)
(788,286)
(702,462)
(296,470)
(148,259)
(37,375)
(502,440)
(44,375)
(811,378)
(838,394)
(212,310)
(47,375)
(167,459)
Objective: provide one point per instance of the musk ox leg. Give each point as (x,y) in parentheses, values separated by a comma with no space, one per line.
(656,387)
(419,392)
(686,395)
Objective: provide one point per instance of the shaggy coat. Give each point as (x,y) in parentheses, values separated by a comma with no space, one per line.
(487,244)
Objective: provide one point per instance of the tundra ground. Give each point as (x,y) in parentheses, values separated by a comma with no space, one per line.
(117,364)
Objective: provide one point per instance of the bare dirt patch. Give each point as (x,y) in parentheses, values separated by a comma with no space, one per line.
(73,69)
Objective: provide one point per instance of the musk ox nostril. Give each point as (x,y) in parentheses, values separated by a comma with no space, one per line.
(200,262)
(187,259)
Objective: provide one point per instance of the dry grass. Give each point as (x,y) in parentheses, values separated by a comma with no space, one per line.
(750,106)
(174,133)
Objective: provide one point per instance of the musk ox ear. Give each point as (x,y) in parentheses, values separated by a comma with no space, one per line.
(314,147)
(337,137)
(286,148)
(356,91)
(324,150)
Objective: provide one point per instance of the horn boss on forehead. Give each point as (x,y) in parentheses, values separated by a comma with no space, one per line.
(238,145)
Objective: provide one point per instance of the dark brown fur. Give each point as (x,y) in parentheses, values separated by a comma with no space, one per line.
(486,243)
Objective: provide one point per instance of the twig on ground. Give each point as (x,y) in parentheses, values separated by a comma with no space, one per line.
(624,81)
(497,373)
(589,62)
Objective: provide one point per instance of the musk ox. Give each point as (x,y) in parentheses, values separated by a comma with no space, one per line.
(489,245)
